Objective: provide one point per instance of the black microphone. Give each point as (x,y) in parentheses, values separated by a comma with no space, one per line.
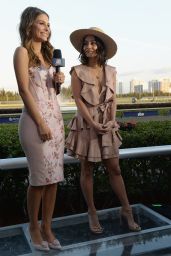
(58,62)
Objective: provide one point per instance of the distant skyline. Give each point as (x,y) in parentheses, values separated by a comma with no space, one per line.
(140,29)
(145,75)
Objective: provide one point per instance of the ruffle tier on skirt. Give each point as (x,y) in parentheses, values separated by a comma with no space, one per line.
(83,142)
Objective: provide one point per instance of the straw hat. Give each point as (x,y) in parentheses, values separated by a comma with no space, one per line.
(77,36)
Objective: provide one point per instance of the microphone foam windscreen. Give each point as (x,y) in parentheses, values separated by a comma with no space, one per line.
(57,54)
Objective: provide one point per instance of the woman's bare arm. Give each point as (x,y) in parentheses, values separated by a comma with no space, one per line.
(112,123)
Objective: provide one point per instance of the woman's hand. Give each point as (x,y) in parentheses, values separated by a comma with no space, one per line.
(59,77)
(99,128)
(109,125)
(44,132)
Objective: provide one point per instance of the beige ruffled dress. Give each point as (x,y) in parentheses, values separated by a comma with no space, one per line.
(83,141)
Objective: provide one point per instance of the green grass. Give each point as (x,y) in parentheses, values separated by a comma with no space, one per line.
(67,117)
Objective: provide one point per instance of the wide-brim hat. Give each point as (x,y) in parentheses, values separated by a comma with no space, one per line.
(78,35)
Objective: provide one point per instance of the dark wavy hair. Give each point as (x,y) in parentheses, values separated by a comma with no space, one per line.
(101,52)
(27,19)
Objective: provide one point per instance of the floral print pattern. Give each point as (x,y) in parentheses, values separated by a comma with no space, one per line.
(45,159)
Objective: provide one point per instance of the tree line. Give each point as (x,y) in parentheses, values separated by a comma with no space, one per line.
(9,95)
(66,93)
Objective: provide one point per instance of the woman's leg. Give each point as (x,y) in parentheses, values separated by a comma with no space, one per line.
(116,180)
(48,204)
(34,195)
(118,186)
(86,182)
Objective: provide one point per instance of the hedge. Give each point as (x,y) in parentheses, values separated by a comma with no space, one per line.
(147,179)
(142,134)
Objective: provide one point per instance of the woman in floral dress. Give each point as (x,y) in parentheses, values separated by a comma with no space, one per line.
(41,129)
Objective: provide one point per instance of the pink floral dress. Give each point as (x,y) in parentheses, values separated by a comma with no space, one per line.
(45,159)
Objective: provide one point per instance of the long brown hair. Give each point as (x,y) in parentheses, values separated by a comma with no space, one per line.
(27,19)
(101,53)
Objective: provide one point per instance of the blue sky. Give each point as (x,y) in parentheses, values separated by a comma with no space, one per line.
(141,29)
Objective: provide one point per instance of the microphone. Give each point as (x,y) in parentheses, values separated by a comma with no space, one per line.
(58,62)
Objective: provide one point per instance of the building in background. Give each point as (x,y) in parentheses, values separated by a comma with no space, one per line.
(154,86)
(165,85)
(119,88)
(141,86)
(136,86)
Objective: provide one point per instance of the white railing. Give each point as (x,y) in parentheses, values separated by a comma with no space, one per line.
(21,162)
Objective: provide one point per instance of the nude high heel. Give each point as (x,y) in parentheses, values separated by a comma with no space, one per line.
(41,247)
(127,217)
(55,245)
(93,218)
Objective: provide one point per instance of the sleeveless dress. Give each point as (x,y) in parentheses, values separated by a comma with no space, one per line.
(45,159)
(83,142)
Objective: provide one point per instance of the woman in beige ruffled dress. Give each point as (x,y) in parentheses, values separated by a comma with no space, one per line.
(94,135)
